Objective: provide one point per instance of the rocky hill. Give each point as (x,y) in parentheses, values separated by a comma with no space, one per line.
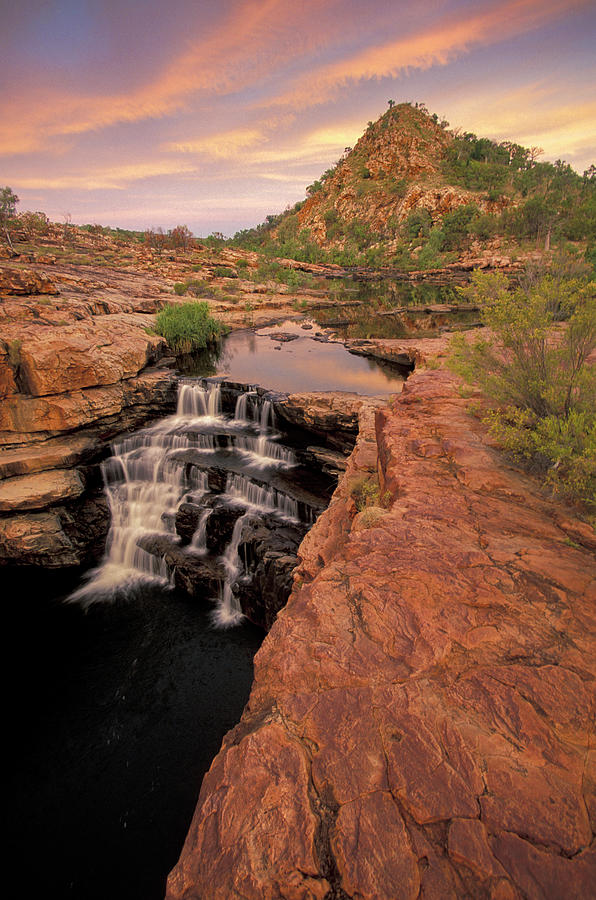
(395,168)
(415,195)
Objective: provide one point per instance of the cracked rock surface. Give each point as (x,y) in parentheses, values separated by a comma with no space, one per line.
(421,720)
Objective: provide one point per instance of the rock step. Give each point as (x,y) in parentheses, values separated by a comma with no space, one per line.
(40,490)
(53,454)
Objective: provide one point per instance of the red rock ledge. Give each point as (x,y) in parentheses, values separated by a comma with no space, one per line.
(420,720)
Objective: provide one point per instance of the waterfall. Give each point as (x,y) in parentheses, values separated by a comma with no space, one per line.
(152,472)
(244,406)
(265,450)
(228,611)
(197,400)
(199,538)
(261,497)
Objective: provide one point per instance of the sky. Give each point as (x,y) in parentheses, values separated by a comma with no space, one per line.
(215,113)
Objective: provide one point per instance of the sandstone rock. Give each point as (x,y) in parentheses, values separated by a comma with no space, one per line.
(113,408)
(61,537)
(39,490)
(40,536)
(95,352)
(52,454)
(25,281)
(427,692)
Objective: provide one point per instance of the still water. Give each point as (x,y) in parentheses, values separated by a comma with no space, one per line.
(119,711)
(306,363)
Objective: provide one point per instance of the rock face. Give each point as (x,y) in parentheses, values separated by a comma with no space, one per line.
(395,168)
(421,717)
(74,373)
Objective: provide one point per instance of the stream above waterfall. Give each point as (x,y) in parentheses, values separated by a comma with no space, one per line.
(295,356)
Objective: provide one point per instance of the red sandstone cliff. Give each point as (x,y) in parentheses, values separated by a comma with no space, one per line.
(421,721)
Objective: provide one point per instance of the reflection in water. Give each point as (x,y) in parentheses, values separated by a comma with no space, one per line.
(303,364)
(306,364)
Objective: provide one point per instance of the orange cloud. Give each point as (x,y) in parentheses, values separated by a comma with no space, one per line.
(114,177)
(246,46)
(223,145)
(438,45)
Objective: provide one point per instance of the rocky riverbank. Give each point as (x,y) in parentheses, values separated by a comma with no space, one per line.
(421,719)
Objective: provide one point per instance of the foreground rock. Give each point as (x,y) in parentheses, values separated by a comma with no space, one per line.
(421,716)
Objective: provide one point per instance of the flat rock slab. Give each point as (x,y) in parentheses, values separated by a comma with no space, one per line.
(421,720)
(51,454)
(39,490)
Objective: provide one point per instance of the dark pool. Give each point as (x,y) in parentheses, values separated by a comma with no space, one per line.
(119,711)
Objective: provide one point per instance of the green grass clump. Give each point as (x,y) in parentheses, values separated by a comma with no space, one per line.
(188,327)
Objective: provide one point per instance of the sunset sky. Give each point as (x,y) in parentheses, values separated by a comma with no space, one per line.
(140,113)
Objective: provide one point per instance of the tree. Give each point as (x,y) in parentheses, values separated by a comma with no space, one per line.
(8,206)
(180,236)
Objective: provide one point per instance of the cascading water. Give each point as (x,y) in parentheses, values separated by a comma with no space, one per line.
(228,611)
(199,539)
(152,473)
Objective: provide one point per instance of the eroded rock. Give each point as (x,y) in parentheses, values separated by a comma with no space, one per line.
(422,711)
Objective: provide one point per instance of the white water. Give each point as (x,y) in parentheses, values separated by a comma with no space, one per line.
(261,498)
(149,475)
(144,484)
(228,611)
(199,538)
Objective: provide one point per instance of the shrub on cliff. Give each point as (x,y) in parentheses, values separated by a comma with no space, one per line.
(534,368)
(188,327)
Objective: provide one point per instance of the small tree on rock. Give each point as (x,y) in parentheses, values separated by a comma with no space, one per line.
(8,206)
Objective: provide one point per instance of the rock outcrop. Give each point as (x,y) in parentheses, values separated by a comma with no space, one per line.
(75,370)
(421,720)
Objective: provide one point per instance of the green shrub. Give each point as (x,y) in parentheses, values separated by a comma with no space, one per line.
(180,288)
(224,272)
(364,490)
(430,255)
(536,374)
(188,326)
(418,224)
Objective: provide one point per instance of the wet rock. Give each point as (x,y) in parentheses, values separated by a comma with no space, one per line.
(269,549)
(220,524)
(196,575)
(283,337)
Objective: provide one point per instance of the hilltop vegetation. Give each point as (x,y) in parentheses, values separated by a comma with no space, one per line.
(413,194)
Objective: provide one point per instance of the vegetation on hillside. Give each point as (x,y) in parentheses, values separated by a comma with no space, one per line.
(188,326)
(507,195)
(532,365)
